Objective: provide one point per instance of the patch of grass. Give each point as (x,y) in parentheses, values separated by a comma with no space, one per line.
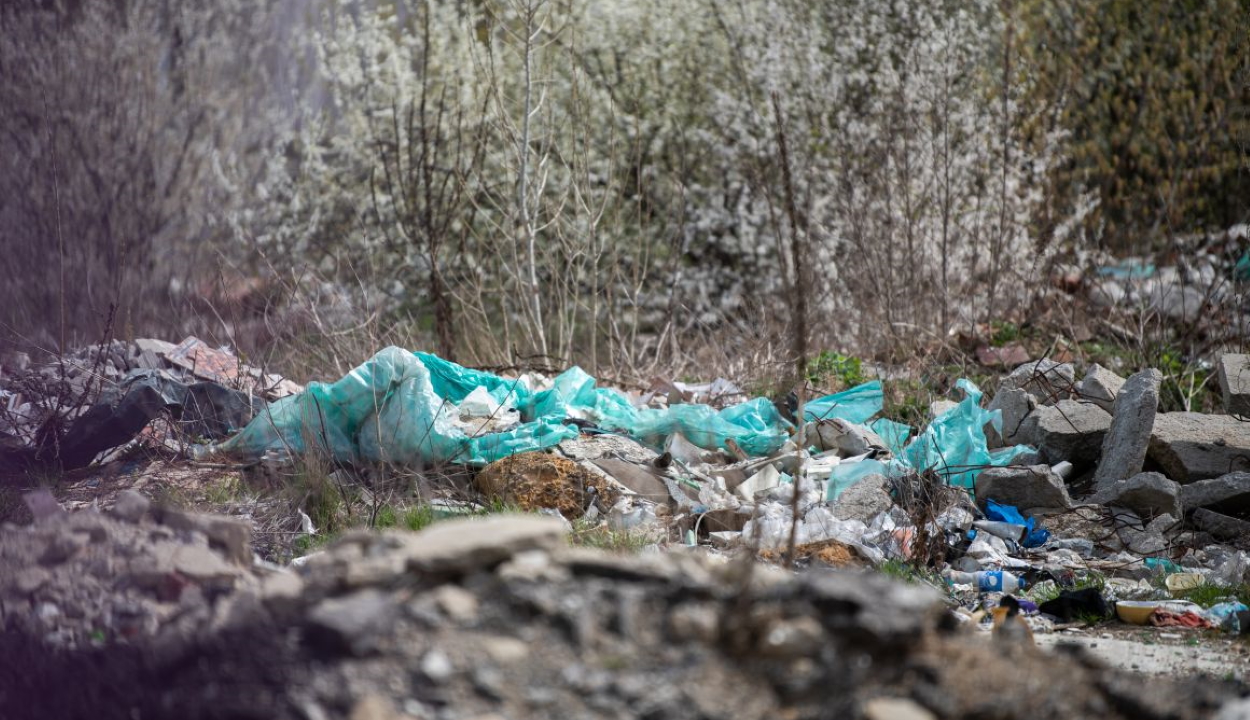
(418,517)
(226,490)
(1207,595)
(600,536)
(1003,332)
(846,370)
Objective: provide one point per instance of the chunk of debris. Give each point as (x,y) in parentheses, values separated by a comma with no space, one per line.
(1193,446)
(1069,430)
(1148,494)
(1100,386)
(1124,447)
(1030,487)
(1234,373)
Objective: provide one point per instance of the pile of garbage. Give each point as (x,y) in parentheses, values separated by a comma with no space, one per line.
(90,405)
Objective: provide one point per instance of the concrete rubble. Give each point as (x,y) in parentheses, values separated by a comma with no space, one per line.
(499,617)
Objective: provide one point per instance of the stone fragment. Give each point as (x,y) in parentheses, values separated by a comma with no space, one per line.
(1100,386)
(1193,446)
(462,546)
(281,592)
(1147,494)
(437,666)
(1024,487)
(233,537)
(1220,526)
(791,638)
(130,506)
(1126,441)
(1015,405)
(352,624)
(1046,380)
(1228,494)
(856,606)
(895,709)
(456,603)
(374,707)
(1234,372)
(1068,430)
(864,500)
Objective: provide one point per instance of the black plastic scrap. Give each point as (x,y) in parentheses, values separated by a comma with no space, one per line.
(1073,604)
(203,409)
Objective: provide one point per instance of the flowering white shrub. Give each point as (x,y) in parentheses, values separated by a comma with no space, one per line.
(589,180)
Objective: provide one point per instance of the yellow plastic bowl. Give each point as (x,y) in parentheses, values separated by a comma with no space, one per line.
(1135,612)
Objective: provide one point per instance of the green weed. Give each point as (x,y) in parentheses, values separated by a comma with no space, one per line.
(846,370)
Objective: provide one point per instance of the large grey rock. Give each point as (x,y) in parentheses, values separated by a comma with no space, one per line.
(1068,430)
(461,546)
(864,500)
(1234,372)
(1100,386)
(1024,487)
(1193,446)
(1015,405)
(1124,448)
(1046,380)
(1220,526)
(1228,493)
(1147,494)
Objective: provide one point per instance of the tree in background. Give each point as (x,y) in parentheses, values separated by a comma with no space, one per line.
(1151,98)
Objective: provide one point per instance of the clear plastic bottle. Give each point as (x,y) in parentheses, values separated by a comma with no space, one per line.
(988,580)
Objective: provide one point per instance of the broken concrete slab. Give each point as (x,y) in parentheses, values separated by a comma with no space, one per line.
(1124,447)
(1221,526)
(1194,446)
(1100,386)
(461,546)
(864,500)
(1025,487)
(1234,373)
(1228,493)
(1148,494)
(1046,380)
(1015,405)
(1069,430)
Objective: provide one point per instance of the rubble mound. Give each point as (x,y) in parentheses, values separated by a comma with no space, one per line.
(539,480)
(496,617)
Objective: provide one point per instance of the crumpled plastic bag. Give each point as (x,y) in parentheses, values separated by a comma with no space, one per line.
(856,405)
(954,444)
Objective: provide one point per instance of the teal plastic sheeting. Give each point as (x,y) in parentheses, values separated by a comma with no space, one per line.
(954,444)
(400,407)
(856,405)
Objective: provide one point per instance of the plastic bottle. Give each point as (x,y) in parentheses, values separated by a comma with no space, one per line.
(988,580)
(1005,530)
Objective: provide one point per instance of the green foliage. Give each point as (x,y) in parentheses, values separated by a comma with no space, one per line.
(1152,100)
(1208,594)
(597,535)
(1003,332)
(846,370)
